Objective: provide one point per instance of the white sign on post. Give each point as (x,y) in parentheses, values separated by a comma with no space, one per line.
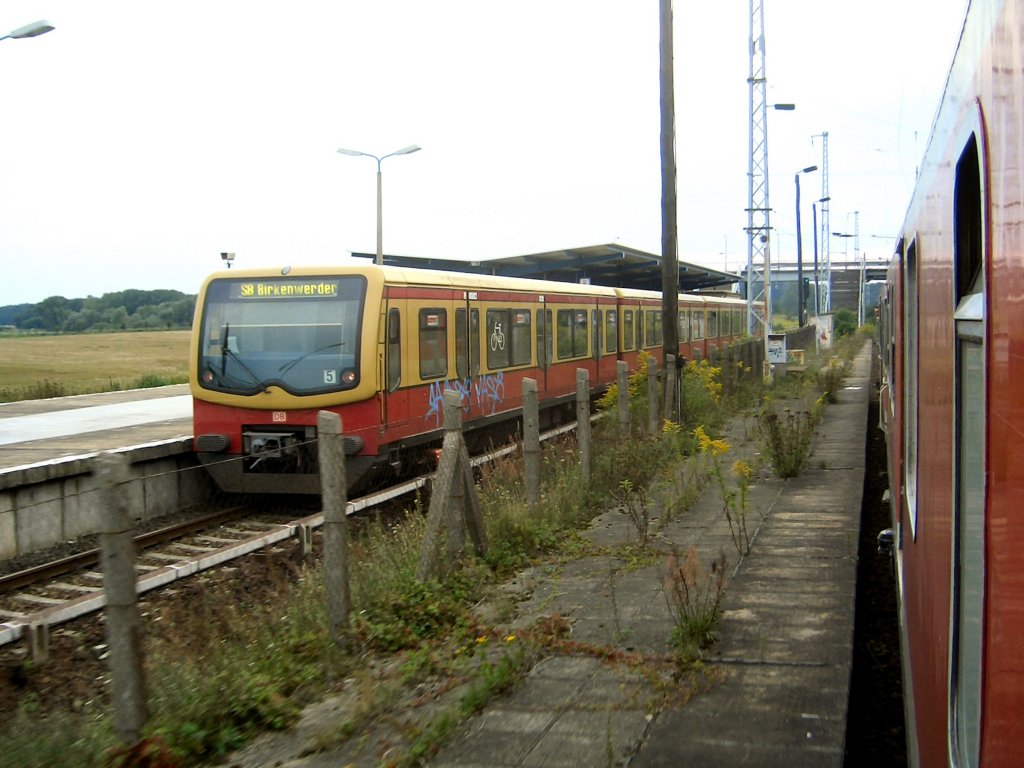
(777,348)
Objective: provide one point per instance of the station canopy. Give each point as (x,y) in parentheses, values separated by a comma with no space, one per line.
(613,265)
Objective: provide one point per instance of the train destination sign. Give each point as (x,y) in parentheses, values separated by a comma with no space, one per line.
(287,289)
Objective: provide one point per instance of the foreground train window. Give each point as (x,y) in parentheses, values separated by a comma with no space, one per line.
(301,334)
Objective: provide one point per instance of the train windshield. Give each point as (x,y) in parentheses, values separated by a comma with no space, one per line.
(297,333)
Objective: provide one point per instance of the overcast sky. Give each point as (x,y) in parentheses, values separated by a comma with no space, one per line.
(138,140)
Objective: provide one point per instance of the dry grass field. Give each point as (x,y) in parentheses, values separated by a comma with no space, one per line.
(50,366)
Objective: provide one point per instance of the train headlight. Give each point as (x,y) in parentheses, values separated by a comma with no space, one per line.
(348,376)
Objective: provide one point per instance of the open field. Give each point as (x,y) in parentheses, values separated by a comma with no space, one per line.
(50,366)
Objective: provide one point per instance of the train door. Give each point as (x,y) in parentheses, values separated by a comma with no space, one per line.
(968,566)
(606,370)
(545,342)
(467,343)
(394,397)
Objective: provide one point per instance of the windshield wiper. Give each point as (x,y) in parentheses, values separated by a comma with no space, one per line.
(226,351)
(292,363)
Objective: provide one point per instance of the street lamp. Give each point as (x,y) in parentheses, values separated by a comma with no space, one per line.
(356,153)
(34,29)
(800,250)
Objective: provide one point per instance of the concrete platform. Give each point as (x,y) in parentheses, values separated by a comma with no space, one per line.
(47,489)
(43,431)
(775,688)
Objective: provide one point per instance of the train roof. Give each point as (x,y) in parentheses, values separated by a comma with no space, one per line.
(461,280)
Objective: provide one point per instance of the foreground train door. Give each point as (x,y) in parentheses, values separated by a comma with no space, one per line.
(968,566)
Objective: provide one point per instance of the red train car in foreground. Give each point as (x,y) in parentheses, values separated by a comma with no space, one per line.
(952,348)
(379,345)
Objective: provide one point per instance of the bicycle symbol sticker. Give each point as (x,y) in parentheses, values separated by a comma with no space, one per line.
(497,338)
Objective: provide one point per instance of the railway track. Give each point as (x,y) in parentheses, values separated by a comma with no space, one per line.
(58,591)
(71,587)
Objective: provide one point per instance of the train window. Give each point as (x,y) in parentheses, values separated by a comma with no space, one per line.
(545,337)
(499,339)
(968,224)
(467,343)
(737,323)
(394,354)
(968,565)
(684,326)
(611,331)
(910,346)
(697,324)
(627,330)
(726,329)
(522,339)
(433,343)
(572,333)
(712,323)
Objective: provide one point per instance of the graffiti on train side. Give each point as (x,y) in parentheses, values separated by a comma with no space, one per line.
(487,391)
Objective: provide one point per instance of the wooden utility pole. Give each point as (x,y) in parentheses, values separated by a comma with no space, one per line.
(669,241)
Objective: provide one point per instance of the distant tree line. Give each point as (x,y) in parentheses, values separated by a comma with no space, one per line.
(130,310)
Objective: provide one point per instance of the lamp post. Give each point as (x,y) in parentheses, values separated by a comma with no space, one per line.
(800,250)
(34,29)
(356,153)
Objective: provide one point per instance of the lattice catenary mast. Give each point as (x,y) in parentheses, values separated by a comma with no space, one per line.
(758,227)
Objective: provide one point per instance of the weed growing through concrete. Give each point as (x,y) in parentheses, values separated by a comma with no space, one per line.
(694,596)
(633,500)
(786,438)
(830,378)
(734,500)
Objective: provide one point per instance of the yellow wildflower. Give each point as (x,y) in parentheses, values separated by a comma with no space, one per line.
(740,468)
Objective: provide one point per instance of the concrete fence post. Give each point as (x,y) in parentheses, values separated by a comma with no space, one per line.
(583,421)
(456,493)
(622,382)
(531,442)
(454,504)
(124,632)
(652,396)
(334,494)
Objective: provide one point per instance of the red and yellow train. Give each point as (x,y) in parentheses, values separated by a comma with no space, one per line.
(952,348)
(380,345)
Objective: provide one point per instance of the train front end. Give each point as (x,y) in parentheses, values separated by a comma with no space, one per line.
(269,351)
